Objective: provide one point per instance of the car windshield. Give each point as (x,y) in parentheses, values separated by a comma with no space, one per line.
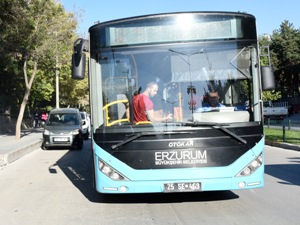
(63,118)
(82,116)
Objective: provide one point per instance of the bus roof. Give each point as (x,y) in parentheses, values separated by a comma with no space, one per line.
(227,13)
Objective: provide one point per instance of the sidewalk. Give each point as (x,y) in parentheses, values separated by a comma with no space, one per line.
(11,149)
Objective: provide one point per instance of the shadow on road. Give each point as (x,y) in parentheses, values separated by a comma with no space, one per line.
(78,167)
(286,172)
(160,198)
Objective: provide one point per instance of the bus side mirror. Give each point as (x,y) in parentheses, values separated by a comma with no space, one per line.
(79,59)
(267,77)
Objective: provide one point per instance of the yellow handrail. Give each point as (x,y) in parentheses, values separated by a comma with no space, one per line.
(120,120)
(115,102)
(143,122)
(106,112)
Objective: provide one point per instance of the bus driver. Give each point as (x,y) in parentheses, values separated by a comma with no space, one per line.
(211,103)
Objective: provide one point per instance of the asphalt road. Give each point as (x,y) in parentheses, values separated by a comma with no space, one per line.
(55,187)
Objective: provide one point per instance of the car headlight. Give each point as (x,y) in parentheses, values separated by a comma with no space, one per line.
(46,132)
(75,132)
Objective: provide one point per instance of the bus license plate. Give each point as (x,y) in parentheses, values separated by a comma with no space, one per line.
(182,187)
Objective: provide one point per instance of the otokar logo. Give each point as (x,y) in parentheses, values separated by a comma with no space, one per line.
(181,144)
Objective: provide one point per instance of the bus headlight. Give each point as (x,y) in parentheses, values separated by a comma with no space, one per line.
(109,171)
(251,167)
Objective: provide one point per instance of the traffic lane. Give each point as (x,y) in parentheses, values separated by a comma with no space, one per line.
(279,199)
(78,167)
(37,189)
(50,187)
(283,164)
(276,203)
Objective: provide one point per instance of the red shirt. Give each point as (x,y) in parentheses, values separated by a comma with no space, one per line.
(141,103)
(44,116)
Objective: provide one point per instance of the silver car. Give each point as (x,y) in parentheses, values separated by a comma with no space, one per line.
(63,128)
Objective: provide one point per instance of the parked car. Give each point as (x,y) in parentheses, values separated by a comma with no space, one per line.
(63,128)
(86,127)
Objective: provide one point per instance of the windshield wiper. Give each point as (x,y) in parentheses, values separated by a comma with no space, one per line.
(242,140)
(221,126)
(195,124)
(113,147)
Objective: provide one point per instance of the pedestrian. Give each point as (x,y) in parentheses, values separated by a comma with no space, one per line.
(44,117)
(36,120)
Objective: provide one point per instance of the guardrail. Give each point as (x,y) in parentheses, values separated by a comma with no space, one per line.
(287,125)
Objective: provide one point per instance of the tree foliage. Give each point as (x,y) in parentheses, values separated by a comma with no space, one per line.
(285,47)
(36,38)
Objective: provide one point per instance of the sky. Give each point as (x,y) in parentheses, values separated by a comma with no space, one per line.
(269,13)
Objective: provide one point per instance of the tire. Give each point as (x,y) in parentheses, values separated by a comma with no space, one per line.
(44,147)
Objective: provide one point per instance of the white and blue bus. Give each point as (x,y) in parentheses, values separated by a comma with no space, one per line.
(189,55)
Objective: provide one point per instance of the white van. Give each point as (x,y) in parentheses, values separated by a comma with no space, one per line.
(86,127)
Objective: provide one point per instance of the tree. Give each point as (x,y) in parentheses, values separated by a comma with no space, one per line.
(10,67)
(285,46)
(37,31)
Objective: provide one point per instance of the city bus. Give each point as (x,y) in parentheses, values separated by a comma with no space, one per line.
(188,55)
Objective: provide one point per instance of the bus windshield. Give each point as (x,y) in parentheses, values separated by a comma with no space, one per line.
(195,64)
(186,76)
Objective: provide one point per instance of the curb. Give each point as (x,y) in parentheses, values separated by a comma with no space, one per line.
(18,153)
(283,145)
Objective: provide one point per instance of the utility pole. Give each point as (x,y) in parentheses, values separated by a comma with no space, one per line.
(56,75)
(57,82)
